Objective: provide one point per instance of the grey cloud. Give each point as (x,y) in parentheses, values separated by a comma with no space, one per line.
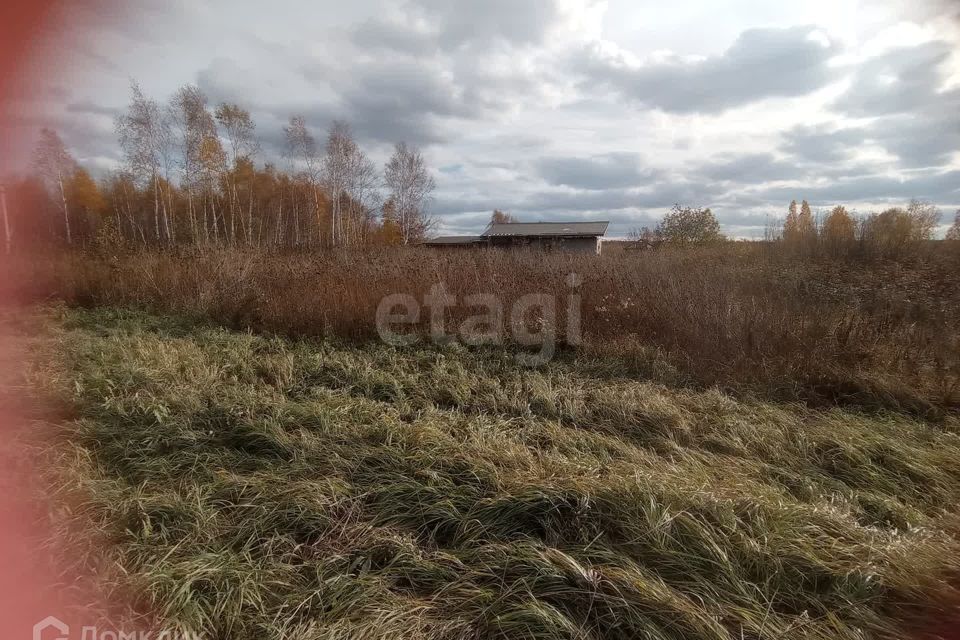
(393,99)
(822,144)
(732,217)
(386,35)
(943,187)
(915,119)
(923,140)
(608,171)
(516,22)
(761,63)
(550,203)
(901,80)
(565,203)
(750,168)
(90,107)
(384,102)
(86,138)
(223,81)
(430,26)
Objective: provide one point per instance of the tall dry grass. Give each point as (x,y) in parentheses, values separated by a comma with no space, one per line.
(737,315)
(243,486)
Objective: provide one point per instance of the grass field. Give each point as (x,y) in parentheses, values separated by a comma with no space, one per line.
(248,486)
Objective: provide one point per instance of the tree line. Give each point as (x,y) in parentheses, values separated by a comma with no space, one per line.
(839,232)
(190,176)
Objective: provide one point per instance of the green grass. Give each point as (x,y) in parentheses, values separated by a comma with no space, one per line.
(245,486)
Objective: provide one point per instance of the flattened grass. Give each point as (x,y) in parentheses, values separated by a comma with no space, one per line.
(257,487)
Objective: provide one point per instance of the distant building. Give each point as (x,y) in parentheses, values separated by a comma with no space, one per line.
(580,237)
(454,241)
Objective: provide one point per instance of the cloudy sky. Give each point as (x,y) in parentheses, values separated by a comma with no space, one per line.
(558,109)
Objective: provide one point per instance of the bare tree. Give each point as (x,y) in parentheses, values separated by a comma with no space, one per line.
(953,233)
(336,173)
(410,185)
(363,197)
(188,111)
(55,164)
(145,136)
(239,128)
(351,181)
(924,217)
(302,148)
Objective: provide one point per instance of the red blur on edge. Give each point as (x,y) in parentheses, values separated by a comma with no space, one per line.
(31,589)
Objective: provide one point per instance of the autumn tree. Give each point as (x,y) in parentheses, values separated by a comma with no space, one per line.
(85,198)
(791,226)
(689,225)
(806,225)
(894,230)
(121,194)
(838,230)
(55,165)
(390,234)
(499,217)
(410,186)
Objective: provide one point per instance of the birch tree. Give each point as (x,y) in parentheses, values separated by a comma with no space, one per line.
(145,136)
(410,186)
(302,149)
(55,165)
(194,124)
(336,174)
(239,128)
(363,197)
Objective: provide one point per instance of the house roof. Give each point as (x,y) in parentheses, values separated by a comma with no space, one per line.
(597,228)
(453,240)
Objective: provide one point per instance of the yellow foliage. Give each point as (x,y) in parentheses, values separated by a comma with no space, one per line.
(83,194)
(839,228)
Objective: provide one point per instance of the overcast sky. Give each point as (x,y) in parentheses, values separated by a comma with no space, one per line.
(557,110)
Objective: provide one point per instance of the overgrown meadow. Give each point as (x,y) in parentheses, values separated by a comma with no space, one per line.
(747,317)
(245,486)
(743,445)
